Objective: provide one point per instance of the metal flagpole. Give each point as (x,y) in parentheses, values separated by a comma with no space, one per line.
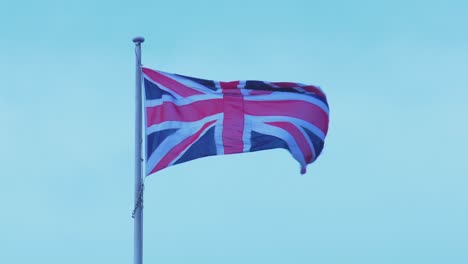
(138,211)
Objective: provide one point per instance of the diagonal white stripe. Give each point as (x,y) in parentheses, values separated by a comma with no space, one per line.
(190,83)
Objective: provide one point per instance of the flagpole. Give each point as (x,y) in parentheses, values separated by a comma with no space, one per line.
(138,211)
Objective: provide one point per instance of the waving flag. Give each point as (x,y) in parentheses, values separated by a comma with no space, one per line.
(189,118)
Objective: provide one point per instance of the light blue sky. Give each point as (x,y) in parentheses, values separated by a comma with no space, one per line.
(390,186)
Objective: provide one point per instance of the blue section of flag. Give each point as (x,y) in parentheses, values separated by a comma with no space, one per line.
(153,91)
(203,147)
(261,141)
(153,140)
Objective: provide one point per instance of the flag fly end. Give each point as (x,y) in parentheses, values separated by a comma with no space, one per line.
(303,170)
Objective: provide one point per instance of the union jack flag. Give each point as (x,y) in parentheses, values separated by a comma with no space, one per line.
(189,118)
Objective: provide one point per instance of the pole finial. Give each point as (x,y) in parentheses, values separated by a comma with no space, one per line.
(138,40)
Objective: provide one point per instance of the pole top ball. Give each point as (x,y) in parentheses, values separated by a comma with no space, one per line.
(138,40)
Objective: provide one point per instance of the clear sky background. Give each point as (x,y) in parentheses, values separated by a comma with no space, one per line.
(390,186)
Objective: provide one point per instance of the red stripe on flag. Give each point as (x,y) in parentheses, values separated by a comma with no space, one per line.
(179,148)
(313,89)
(170,83)
(298,137)
(293,108)
(259,92)
(233,122)
(285,84)
(229,85)
(168,111)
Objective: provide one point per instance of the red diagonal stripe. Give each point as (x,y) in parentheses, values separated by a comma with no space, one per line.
(298,137)
(313,89)
(179,148)
(285,84)
(170,83)
(260,92)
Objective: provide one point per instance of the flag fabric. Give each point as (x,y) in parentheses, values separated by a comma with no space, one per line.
(188,118)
